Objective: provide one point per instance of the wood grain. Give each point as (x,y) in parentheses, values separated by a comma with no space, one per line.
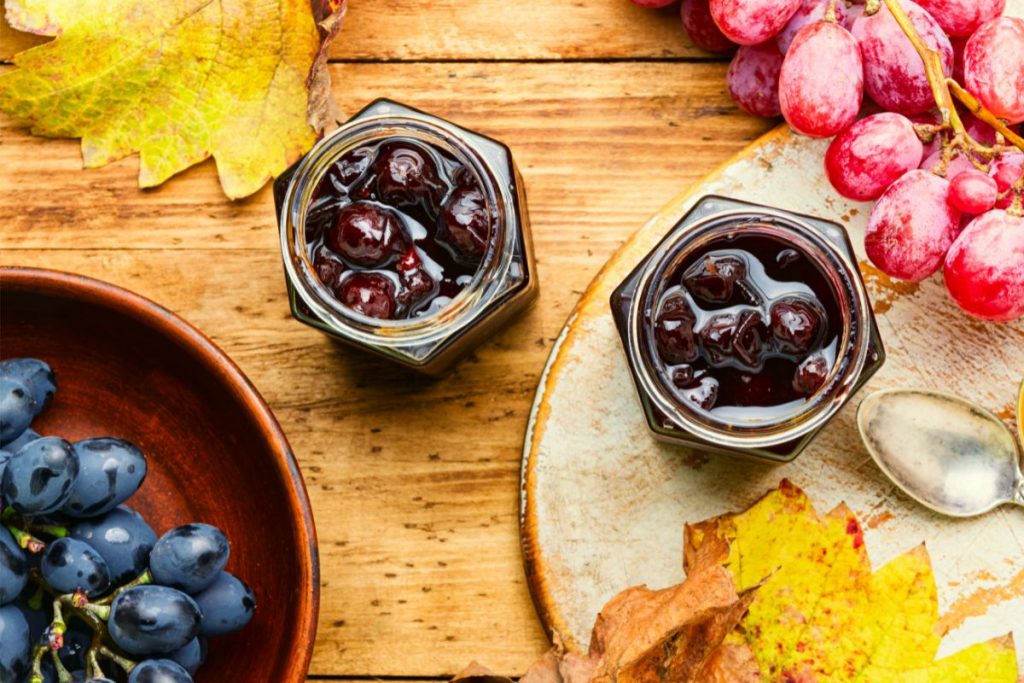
(393,30)
(414,483)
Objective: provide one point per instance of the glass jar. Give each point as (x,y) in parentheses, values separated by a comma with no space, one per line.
(772,433)
(503,283)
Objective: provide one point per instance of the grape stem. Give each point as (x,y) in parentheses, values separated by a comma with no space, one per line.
(976,108)
(941,86)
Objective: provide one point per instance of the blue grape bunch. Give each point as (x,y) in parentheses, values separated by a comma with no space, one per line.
(88,592)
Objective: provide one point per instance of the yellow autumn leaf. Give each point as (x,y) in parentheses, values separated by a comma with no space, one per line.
(174,80)
(821,614)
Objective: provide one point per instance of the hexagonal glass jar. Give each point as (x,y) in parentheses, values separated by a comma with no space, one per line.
(504,283)
(774,436)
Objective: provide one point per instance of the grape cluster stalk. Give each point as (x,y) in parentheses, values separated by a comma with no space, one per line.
(924,100)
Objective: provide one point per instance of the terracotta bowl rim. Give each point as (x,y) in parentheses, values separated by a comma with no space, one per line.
(214,360)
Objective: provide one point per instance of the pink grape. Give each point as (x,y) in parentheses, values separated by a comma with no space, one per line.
(1007,170)
(821,85)
(963,17)
(930,118)
(994,67)
(701,28)
(749,22)
(984,269)
(978,129)
(911,227)
(853,13)
(894,74)
(958,43)
(809,12)
(959,164)
(652,3)
(871,155)
(973,192)
(753,78)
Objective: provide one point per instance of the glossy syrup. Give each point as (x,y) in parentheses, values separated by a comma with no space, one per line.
(717,344)
(357,178)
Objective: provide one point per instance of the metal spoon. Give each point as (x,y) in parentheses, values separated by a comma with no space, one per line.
(945,452)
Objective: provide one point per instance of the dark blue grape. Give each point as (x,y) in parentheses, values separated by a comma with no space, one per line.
(17,408)
(189,557)
(69,565)
(110,471)
(13,568)
(37,619)
(153,620)
(27,437)
(159,671)
(5,455)
(34,374)
(39,477)
(192,656)
(14,644)
(77,641)
(122,538)
(227,605)
(48,670)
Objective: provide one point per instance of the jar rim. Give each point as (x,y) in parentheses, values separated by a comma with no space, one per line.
(428,329)
(842,275)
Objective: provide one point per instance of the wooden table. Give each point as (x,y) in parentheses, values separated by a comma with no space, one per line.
(414,483)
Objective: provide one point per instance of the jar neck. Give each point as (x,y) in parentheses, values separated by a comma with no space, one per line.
(853,342)
(426,329)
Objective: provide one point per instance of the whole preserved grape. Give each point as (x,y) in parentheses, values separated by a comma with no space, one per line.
(701,27)
(963,17)
(821,96)
(911,226)
(894,75)
(753,79)
(984,269)
(749,22)
(994,67)
(871,155)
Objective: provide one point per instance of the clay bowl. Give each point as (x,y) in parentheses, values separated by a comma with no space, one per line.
(127,367)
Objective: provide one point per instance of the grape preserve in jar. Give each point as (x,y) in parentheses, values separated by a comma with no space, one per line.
(407,236)
(746,329)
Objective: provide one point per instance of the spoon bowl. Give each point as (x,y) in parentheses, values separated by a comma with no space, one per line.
(945,452)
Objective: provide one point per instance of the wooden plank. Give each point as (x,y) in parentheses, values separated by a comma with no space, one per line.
(414,483)
(492,30)
(601,146)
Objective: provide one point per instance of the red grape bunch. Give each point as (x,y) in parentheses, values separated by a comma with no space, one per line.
(924,100)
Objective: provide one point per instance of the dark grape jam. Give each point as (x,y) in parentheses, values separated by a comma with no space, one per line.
(397,228)
(746,324)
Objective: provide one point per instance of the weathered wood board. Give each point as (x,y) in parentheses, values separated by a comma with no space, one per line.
(604,504)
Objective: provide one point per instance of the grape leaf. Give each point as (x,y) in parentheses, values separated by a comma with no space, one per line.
(821,614)
(795,601)
(177,81)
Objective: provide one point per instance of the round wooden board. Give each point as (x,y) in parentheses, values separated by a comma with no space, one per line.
(603,504)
